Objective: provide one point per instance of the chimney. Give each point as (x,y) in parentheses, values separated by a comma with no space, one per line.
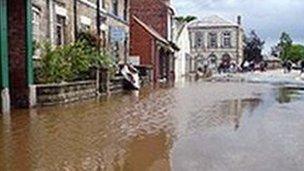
(239,20)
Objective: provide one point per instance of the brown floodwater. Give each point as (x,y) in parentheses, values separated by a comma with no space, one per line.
(192,126)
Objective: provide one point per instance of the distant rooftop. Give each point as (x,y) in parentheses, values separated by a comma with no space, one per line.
(212,21)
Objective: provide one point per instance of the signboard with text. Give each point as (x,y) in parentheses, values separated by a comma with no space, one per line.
(117,34)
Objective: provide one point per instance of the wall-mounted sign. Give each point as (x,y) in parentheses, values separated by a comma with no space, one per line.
(117,34)
(134,60)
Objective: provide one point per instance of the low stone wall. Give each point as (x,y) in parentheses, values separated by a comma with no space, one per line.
(52,94)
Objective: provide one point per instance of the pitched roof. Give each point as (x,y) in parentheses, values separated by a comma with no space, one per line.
(168,4)
(151,31)
(212,21)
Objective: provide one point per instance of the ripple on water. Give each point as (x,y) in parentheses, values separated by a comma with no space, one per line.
(196,125)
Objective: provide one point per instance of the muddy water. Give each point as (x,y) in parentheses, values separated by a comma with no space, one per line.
(193,126)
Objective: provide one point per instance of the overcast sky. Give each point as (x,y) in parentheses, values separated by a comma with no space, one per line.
(268,17)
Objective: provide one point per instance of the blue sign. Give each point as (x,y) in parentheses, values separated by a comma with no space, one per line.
(117,34)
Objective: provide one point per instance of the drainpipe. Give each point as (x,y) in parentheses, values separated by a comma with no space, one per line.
(51,20)
(75,20)
(239,22)
(99,43)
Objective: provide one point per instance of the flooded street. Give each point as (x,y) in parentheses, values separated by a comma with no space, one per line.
(194,126)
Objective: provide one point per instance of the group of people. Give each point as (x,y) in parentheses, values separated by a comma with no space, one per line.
(246,66)
(231,67)
(288,66)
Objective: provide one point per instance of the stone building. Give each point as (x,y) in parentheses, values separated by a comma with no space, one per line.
(151,36)
(59,22)
(214,40)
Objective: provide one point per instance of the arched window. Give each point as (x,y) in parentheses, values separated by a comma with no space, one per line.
(226,39)
(226,58)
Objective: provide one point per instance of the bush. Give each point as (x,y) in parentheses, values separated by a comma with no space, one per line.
(70,62)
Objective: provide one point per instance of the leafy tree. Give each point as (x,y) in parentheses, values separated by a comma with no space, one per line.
(182,21)
(284,45)
(295,53)
(253,48)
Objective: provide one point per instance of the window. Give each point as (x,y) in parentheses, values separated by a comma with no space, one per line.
(60,30)
(199,40)
(125,10)
(212,40)
(102,4)
(227,39)
(36,23)
(115,7)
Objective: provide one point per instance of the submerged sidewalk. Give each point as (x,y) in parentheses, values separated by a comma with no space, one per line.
(271,77)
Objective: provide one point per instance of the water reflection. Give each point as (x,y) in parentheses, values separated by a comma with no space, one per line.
(132,131)
(289,94)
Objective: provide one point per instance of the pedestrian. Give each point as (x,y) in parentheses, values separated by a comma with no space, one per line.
(302,66)
(289,66)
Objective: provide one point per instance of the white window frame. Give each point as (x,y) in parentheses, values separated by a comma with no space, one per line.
(62,30)
(227,39)
(36,22)
(212,44)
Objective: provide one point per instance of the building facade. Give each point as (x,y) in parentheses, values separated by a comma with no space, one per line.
(60,21)
(183,56)
(153,17)
(214,40)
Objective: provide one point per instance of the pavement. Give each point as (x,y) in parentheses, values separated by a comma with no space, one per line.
(276,77)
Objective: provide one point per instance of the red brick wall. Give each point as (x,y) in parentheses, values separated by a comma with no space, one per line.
(17,53)
(152,13)
(141,43)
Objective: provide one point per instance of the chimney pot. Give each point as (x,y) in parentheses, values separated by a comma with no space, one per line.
(239,20)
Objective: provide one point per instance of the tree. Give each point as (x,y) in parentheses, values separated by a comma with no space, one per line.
(182,21)
(253,48)
(185,19)
(295,53)
(284,45)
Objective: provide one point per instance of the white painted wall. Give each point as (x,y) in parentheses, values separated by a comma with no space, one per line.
(184,44)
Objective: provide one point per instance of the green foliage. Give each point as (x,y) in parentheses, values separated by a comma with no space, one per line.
(185,19)
(294,53)
(253,47)
(284,45)
(69,62)
(182,21)
(289,51)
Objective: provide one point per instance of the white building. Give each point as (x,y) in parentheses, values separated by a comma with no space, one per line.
(183,56)
(214,40)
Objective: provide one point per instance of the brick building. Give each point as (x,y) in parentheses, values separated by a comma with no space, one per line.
(16,76)
(151,35)
(56,21)
(60,21)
